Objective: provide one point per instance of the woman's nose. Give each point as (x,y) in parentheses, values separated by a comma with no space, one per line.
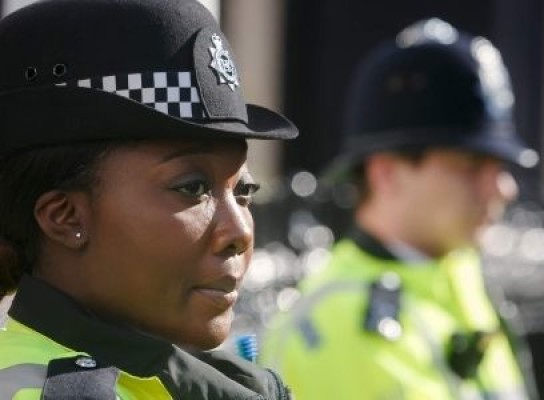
(233,230)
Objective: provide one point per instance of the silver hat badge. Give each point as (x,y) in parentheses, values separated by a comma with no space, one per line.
(222,63)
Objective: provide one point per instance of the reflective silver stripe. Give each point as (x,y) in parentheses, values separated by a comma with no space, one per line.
(452,381)
(21,376)
(512,394)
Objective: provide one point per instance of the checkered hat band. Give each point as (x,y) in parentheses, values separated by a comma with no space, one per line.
(172,93)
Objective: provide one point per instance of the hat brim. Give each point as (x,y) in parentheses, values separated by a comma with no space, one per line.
(505,146)
(58,115)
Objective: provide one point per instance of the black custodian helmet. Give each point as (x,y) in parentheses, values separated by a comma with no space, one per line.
(432,87)
(126,69)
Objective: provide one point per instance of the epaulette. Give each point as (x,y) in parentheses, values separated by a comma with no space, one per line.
(79,377)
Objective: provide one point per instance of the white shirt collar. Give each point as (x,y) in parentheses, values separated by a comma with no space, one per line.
(407,253)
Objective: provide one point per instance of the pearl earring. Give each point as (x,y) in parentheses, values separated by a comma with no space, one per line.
(78,235)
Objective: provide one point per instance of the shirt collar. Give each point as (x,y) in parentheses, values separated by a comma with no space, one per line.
(407,254)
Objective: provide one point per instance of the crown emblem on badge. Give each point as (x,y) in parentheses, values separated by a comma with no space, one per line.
(222,63)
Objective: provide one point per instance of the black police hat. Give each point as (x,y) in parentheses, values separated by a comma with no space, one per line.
(124,69)
(433,87)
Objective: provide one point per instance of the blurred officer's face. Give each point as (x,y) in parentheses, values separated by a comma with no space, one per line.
(447,197)
(170,236)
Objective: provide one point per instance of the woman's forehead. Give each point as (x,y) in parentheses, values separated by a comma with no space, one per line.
(179,148)
(150,153)
(167,149)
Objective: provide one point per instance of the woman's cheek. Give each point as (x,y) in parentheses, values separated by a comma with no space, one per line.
(195,220)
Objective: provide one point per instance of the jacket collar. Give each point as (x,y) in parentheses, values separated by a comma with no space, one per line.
(370,244)
(54,314)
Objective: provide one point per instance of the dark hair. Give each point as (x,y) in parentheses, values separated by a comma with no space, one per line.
(24,177)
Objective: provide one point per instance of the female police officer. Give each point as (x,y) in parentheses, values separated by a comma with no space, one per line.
(124,198)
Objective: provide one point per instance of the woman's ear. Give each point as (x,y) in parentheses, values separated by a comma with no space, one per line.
(61,217)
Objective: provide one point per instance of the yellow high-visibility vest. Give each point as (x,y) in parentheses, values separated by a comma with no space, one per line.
(323,350)
(24,358)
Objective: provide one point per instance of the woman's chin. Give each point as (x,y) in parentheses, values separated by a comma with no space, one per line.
(207,335)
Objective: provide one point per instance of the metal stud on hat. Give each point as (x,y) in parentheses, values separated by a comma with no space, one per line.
(86,362)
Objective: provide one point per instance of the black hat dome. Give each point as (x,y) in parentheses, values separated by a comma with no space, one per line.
(125,69)
(432,87)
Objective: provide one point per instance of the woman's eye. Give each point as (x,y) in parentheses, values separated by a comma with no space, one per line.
(195,189)
(245,191)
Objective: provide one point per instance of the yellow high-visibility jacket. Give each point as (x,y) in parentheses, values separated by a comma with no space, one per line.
(324,350)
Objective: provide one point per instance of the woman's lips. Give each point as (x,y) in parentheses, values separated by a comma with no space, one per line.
(220,298)
(222,293)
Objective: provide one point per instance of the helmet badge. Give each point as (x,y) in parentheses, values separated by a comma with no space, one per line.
(222,63)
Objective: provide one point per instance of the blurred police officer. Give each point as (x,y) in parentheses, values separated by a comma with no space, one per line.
(400,311)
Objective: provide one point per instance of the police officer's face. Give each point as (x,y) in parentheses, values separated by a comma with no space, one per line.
(170,236)
(450,195)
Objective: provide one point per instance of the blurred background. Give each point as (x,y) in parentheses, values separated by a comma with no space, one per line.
(296,57)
